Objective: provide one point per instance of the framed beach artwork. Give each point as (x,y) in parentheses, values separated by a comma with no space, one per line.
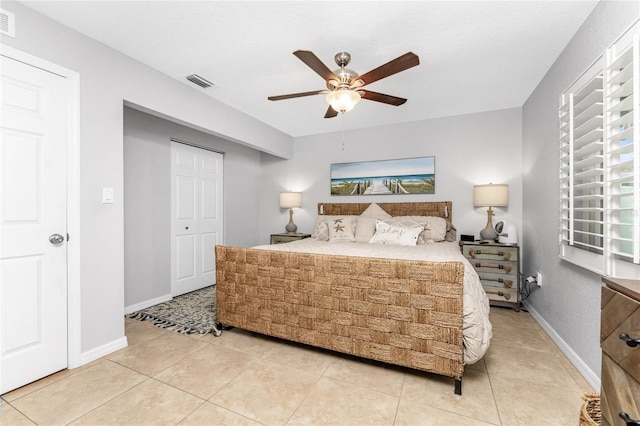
(384,177)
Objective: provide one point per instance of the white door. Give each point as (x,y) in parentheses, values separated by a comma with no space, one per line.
(33,249)
(196,193)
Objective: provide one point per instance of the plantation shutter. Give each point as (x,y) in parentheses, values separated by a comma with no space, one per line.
(599,119)
(581,164)
(622,141)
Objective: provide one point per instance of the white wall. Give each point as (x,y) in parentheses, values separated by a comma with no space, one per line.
(569,301)
(468,149)
(147,199)
(107,80)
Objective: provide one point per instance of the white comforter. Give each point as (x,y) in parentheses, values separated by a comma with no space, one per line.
(476,325)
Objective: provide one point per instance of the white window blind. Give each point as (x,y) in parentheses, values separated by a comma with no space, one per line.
(600,163)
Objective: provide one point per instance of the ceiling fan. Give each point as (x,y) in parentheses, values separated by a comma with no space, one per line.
(345,86)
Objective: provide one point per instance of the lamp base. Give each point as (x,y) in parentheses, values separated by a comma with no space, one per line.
(291,227)
(488,233)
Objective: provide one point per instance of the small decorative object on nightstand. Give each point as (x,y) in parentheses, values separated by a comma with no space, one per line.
(287,237)
(498,266)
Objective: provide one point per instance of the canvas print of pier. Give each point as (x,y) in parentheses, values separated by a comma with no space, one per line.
(384,177)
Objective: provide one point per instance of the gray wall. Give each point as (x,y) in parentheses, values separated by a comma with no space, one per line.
(109,79)
(147,200)
(569,301)
(469,149)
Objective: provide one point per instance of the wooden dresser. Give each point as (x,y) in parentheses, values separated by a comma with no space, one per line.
(620,342)
(498,266)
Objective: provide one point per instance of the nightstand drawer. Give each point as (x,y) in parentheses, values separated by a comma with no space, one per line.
(621,315)
(501,294)
(498,280)
(494,267)
(491,252)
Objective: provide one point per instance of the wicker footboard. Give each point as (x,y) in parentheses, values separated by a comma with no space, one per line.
(402,312)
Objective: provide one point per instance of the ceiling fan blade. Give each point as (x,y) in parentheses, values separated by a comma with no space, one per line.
(315,64)
(395,66)
(296,95)
(381,97)
(330,113)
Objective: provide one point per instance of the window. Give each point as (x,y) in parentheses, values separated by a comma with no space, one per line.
(600,163)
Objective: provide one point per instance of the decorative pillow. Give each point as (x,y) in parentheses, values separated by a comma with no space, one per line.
(321,231)
(434,227)
(397,235)
(340,229)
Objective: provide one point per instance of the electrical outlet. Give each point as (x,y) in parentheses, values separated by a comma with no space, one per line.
(539,278)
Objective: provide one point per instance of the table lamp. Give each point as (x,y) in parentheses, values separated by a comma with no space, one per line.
(289,200)
(490,196)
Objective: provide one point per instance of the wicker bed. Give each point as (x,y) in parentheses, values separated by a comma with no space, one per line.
(402,312)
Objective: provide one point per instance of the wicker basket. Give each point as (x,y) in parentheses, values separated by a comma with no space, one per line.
(590,414)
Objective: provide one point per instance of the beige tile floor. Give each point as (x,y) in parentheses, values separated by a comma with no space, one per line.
(165,378)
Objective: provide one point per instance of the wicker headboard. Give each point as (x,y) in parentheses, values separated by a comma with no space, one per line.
(435,208)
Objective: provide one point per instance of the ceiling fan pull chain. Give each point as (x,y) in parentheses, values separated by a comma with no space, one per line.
(342,120)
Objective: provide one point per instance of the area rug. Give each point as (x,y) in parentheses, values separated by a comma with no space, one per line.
(190,313)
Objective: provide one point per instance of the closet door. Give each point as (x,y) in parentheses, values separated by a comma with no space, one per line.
(196,199)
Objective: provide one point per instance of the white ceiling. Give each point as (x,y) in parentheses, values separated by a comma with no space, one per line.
(474,55)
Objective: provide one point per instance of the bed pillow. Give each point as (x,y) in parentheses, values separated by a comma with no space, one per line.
(341,229)
(452,233)
(396,235)
(366,224)
(365,229)
(435,229)
(376,211)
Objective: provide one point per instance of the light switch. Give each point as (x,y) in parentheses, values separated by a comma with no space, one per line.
(107,195)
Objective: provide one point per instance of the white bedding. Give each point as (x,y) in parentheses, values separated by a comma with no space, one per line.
(476,325)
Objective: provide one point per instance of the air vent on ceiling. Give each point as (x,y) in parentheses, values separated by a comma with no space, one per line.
(202,82)
(7,23)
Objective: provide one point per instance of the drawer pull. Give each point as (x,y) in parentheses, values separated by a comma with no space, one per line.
(506,296)
(632,343)
(628,420)
(505,256)
(507,268)
(507,283)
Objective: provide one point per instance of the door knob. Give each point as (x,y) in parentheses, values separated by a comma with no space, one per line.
(56,239)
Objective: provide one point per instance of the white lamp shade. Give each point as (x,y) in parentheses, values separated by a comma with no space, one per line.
(491,195)
(289,200)
(343,100)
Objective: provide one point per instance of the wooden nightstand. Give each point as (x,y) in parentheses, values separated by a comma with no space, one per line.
(620,342)
(286,238)
(498,266)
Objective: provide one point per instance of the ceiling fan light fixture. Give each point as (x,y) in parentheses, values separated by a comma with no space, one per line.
(343,100)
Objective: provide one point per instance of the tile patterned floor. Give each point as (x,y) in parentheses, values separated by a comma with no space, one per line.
(245,379)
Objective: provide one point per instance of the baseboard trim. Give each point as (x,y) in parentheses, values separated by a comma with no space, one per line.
(583,369)
(100,351)
(143,305)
